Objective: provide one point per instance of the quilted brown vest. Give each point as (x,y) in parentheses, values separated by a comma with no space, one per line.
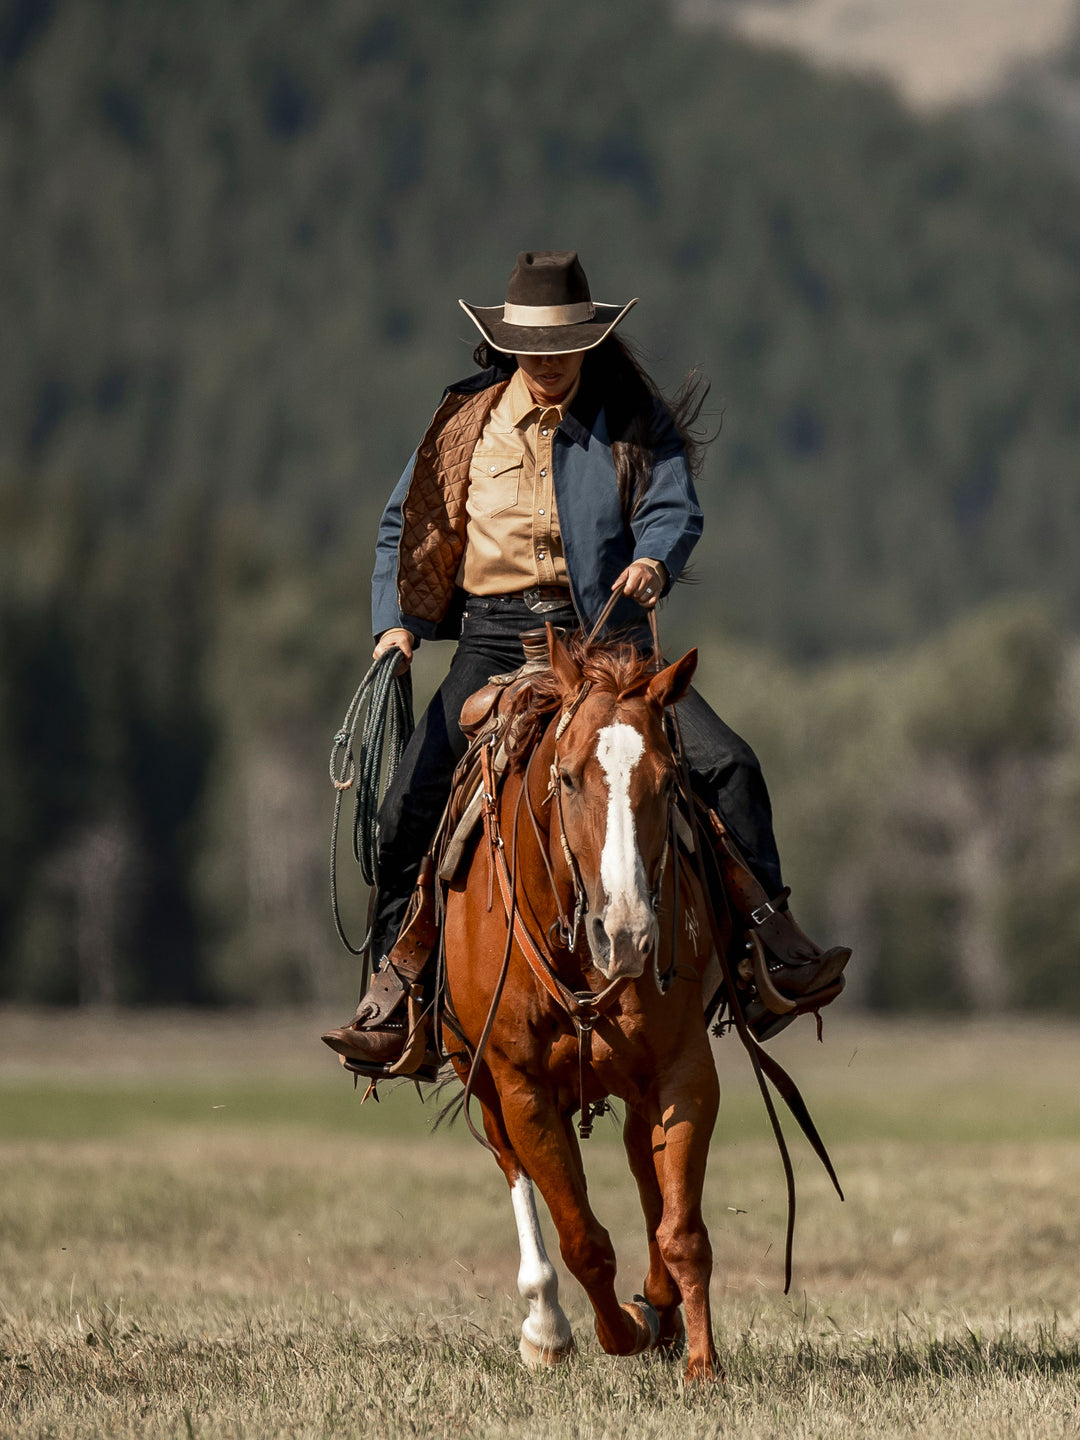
(433,516)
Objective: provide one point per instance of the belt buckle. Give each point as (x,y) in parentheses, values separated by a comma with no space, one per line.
(536,602)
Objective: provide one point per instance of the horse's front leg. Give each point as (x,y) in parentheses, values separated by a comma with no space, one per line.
(688,1101)
(661,1290)
(546,1336)
(539,1136)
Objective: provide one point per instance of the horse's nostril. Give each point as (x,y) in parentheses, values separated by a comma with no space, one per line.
(601,941)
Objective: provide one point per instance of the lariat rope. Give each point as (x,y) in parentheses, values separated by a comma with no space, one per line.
(388,723)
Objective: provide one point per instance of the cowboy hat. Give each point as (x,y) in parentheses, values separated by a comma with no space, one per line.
(548,308)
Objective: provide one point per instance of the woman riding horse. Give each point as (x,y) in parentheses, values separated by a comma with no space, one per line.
(553,477)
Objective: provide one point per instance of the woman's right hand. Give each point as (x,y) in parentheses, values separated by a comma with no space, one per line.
(403,639)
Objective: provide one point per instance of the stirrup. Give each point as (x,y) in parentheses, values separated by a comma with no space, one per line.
(770,1011)
(418,1060)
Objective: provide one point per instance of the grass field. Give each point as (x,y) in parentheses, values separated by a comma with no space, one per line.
(202,1234)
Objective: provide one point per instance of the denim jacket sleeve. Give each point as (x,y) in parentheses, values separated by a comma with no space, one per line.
(668,523)
(385,614)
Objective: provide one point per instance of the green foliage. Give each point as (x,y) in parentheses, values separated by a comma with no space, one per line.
(239,282)
(990,686)
(232,240)
(927,806)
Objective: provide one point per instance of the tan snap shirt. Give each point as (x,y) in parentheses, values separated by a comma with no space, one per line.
(512,538)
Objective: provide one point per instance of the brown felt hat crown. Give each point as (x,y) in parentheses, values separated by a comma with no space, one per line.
(548,309)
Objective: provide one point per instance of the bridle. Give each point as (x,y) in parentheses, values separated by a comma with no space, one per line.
(583,1007)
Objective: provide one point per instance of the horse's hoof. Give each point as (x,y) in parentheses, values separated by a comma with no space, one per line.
(647,1321)
(705,1371)
(543,1357)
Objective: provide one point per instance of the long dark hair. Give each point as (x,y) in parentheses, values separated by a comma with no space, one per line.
(640,418)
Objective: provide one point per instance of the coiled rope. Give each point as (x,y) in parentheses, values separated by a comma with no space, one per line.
(388,723)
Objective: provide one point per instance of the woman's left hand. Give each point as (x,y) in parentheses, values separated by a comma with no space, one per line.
(641,583)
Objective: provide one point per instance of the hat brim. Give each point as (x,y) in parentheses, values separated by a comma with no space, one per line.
(544,339)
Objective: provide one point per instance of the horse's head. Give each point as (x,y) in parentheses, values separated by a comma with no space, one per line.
(614,774)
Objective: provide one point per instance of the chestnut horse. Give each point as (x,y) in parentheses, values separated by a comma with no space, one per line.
(560,1014)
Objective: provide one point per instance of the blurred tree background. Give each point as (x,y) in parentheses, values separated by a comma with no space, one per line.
(233,234)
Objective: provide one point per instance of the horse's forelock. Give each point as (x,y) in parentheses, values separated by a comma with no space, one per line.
(617,669)
(611,668)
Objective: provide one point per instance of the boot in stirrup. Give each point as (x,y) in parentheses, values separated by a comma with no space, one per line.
(388,1034)
(789,974)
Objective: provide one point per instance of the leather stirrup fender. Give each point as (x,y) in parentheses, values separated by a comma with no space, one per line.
(408,959)
(421,929)
(412,1057)
(765,918)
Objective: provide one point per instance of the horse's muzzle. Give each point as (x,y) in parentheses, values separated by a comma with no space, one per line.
(621,951)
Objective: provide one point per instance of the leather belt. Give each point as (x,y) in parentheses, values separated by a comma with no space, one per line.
(543,599)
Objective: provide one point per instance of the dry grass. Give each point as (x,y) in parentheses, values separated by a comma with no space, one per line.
(284,1264)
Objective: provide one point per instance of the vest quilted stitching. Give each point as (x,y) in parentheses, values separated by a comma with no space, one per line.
(433,516)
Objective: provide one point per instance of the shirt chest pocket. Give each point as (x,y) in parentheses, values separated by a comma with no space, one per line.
(494,484)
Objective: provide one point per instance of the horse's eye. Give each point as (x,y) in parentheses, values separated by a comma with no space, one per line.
(566,780)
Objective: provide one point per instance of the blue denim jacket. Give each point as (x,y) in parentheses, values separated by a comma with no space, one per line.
(597,544)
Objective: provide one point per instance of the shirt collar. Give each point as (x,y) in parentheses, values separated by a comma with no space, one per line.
(521,404)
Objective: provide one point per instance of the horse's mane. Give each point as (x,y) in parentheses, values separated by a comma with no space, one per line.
(613,667)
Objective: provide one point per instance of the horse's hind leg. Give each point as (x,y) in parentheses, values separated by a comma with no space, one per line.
(546,1336)
(661,1291)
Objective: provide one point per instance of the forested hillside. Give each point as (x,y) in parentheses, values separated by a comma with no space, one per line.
(233,239)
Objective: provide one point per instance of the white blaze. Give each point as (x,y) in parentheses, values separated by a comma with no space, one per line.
(618,749)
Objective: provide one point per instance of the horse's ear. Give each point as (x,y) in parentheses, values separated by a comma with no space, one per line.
(672,684)
(566,669)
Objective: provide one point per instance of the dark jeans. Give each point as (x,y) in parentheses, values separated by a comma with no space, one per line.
(723,768)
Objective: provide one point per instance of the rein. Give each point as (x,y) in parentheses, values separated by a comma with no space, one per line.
(582,1006)
(763,1063)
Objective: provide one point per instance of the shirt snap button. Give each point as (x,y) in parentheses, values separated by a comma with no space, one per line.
(543,472)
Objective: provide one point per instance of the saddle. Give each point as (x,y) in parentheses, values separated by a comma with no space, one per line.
(485,718)
(488,721)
